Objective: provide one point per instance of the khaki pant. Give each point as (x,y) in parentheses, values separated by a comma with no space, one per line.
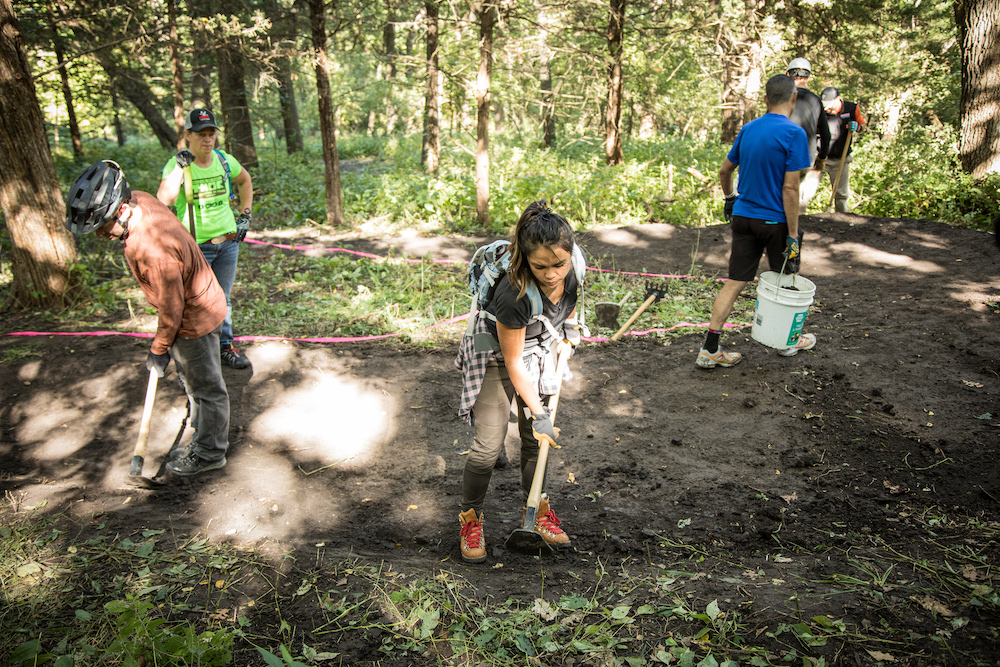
(842,196)
(491,414)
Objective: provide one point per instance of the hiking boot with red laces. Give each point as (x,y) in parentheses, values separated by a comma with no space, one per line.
(547,525)
(472,542)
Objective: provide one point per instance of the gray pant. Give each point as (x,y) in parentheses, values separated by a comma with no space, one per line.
(200,371)
(491,413)
(842,196)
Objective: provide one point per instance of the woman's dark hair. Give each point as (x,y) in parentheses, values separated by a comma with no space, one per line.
(537,227)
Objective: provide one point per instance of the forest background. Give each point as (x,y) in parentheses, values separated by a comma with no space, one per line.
(461,113)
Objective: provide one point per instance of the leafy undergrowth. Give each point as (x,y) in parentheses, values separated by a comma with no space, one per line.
(292,294)
(91,596)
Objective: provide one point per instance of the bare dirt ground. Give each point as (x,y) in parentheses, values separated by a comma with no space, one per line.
(771,484)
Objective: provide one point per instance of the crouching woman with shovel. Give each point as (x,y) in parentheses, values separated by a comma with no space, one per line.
(510,354)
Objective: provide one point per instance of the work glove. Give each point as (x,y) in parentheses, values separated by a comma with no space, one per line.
(157,361)
(853,126)
(242,226)
(819,164)
(542,428)
(727,211)
(572,333)
(184,158)
(793,254)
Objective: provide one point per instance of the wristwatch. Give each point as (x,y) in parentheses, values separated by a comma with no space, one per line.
(247,211)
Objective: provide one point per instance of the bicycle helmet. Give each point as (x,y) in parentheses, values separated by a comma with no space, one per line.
(95,197)
(799,64)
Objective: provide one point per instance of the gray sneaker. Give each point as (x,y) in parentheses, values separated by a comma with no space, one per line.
(192,464)
(179,453)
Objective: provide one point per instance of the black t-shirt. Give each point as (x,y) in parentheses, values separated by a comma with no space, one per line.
(809,115)
(515,313)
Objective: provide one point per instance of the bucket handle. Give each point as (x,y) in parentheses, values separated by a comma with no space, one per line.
(777,281)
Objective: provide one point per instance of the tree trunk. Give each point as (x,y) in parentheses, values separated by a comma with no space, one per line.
(430,154)
(119,130)
(32,204)
(613,119)
(487,15)
(327,119)
(235,103)
(134,89)
(289,107)
(177,72)
(57,47)
(548,104)
(742,65)
(979,37)
(201,66)
(389,72)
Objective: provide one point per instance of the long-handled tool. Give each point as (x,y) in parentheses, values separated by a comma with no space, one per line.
(525,538)
(653,293)
(135,477)
(840,168)
(189,197)
(607,312)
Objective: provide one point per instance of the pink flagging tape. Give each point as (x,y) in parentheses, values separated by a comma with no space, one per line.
(398,260)
(680,325)
(366,255)
(347,339)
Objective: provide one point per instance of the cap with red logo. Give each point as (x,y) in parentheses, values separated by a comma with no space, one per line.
(198,119)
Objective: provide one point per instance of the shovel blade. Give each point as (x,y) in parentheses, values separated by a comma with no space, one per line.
(607,315)
(527,540)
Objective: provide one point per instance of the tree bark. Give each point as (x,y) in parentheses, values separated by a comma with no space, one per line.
(487,15)
(742,65)
(177,74)
(327,118)
(548,104)
(979,38)
(430,154)
(57,47)
(134,89)
(33,208)
(234,99)
(289,107)
(612,125)
(201,66)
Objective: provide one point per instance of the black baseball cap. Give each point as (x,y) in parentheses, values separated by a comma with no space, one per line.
(198,119)
(829,94)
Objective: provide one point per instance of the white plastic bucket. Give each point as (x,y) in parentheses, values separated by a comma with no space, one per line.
(783,302)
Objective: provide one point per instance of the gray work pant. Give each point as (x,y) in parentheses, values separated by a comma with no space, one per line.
(200,370)
(841,198)
(491,413)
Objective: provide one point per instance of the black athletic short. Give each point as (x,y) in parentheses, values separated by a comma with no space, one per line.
(751,238)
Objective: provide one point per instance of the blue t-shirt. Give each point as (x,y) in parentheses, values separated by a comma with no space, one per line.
(764,150)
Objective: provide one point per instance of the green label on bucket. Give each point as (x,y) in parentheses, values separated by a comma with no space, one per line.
(798,320)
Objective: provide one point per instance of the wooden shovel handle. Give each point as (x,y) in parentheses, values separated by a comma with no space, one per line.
(645,304)
(535,493)
(189,197)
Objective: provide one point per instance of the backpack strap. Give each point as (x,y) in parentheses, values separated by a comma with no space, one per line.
(229,174)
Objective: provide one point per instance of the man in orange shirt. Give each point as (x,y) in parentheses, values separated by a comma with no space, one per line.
(177,281)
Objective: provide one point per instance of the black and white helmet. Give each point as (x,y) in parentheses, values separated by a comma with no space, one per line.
(95,197)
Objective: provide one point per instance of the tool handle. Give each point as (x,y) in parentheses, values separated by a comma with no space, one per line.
(535,493)
(147,415)
(189,197)
(840,168)
(645,304)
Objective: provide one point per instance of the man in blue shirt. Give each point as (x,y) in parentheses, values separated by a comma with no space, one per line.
(764,215)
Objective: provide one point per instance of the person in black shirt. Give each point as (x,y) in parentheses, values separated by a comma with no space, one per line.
(808,114)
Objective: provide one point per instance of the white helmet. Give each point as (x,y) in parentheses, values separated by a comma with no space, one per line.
(799,63)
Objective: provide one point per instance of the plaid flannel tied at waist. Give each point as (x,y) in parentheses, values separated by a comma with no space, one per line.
(473,364)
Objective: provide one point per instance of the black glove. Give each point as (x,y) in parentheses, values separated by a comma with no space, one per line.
(727,212)
(184,158)
(157,361)
(242,225)
(819,164)
(793,254)
(541,426)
